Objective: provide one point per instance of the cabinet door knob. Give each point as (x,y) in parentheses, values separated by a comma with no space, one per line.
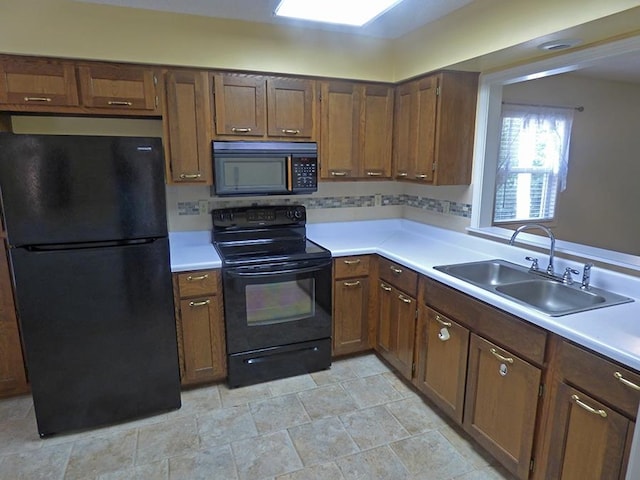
(404,299)
(395,270)
(37,99)
(626,382)
(338,174)
(119,103)
(288,131)
(374,174)
(190,176)
(240,129)
(500,357)
(589,409)
(352,284)
(442,322)
(352,262)
(385,287)
(402,174)
(421,176)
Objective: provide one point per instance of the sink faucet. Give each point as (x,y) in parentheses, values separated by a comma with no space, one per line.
(552,247)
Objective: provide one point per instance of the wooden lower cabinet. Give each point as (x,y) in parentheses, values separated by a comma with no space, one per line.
(442,346)
(396,328)
(501,404)
(200,321)
(588,438)
(12,370)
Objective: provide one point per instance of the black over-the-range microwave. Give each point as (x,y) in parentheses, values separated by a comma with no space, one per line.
(265,168)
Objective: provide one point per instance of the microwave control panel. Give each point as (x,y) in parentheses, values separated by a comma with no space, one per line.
(304,174)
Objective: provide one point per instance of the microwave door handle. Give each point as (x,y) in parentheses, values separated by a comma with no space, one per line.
(290,173)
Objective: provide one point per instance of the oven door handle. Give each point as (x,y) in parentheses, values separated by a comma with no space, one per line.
(276,271)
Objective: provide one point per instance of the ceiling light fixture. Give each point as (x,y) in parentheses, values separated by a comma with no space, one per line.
(345,12)
(561,44)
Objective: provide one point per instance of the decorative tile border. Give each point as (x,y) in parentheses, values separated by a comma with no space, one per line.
(431,204)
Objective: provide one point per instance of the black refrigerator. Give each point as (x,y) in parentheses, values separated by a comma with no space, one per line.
(85,219)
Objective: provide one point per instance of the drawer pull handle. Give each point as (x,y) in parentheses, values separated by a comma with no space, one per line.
(240,130)
(288,131)
(352,262)
(500,357)
(385,287)
(626,382)
(395,270)
(442,322)
(589,409)
(374,174)
(404,299)
(190,176)
(338,174)
(402,174)
(352,284)
(197,278)
(119,103)
(37,99)
(421,176)
(199,304)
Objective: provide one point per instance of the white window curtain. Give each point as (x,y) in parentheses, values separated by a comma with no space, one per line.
(533,161)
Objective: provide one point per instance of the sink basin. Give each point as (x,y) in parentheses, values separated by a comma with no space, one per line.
(489,272)
(532,289)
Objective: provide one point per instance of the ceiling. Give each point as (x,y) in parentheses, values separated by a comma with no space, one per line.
(399,20)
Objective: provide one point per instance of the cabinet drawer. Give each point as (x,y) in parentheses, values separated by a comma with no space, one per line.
(199,282)
(399,276)
(346,267)
(600,378)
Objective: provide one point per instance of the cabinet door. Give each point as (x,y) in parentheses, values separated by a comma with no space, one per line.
(403,151)
(290,111)
(12,373)
(397,328)
(441,360)
(37,83)
(202,339)
(376,131)
(588,440)
(187,125)
(239,104)
(423,131)
(338,130)
(119,87)
(501,404)
(351,308)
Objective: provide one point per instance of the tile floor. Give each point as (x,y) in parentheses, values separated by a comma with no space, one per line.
(354,421)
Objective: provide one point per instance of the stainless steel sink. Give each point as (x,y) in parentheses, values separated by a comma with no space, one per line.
(533,289)
(489,272)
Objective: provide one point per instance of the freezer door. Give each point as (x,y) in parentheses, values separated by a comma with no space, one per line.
(99,333)
(67,189)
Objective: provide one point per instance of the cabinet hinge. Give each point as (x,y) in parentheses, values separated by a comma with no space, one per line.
(155,80)
(532,464)
(157,101)
(433,166)
(541,390)
(413,369)
(438,91)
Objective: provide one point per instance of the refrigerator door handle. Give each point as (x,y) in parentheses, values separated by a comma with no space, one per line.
(78,246)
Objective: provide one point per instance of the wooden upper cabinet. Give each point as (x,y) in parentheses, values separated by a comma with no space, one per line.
(187,127)
(38,83)
(434,128)
(256,106)
(119,87)
(290,107)
(239,104)
(356,130)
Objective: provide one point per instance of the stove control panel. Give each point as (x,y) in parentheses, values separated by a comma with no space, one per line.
(251,217)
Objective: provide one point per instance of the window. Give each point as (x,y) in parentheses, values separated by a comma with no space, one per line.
(532,162)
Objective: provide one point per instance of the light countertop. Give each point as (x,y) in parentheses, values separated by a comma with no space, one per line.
(612,331)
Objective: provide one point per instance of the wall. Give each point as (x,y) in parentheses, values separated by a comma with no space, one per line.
(79,30)
(599,206)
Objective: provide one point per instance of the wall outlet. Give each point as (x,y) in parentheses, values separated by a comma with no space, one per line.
(203,206)
(446,205)
(377,200)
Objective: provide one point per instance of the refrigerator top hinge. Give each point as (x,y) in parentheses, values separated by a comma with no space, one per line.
(541,390)
(532,464)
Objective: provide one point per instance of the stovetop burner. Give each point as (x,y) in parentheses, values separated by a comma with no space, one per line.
(249,235)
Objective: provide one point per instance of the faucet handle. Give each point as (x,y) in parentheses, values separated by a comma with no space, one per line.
(534,263)
(586,276)
(566,278)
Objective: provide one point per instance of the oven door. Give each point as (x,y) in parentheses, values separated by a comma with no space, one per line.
(277,304)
